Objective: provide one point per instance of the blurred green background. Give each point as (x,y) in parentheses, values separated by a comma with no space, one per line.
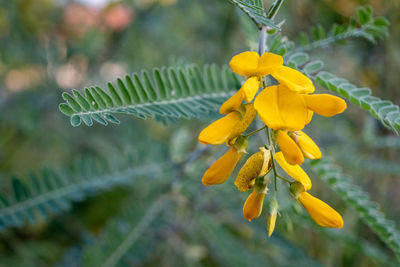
(50,46)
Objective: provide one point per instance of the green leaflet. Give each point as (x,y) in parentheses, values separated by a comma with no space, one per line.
(167,94)
(383,110)
(355,197)
(255,10)
(364,26)
(51,192)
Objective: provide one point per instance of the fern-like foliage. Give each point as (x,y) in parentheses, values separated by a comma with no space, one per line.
(365,25)
(52,191)
(354,196)
(169,93)
(383,110)
(254,9)
(121,235)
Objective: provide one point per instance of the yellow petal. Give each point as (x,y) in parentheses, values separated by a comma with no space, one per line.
(250,171)
(253,206)
(294,80)
(307,146)
(266,104)
(289,148)
(220,131)
(221,169)
(244,123)
(294,171)
(232,104)
(309,116)
(245,63)
(281,108)
(325,105)
(321,213)
(250,88)
(268,63)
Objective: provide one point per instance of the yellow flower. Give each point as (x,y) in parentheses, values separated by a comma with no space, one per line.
(295,145)
(256,166)
(221,169)
(321,213)
(228,128)
(306,144)
(289,148)
(294,171)
(281,109)
(252,208)
(294,80)
(247,92)
(272,217)
(250,64)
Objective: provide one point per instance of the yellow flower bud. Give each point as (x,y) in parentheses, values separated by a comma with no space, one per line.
(307,146)
(257,165)
(321,213)
(289,148)
(272,216)
(221,169)
(252,208)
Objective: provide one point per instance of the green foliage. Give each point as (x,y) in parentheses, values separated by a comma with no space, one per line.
(255,10)
(169,93)
(121,235)
(383,110)
(355,197)
(36,198)
(365,26)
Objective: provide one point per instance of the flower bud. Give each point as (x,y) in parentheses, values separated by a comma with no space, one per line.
(321,213)
(306,144)
(253,206)
(289,148)
(221,169)
(272,216)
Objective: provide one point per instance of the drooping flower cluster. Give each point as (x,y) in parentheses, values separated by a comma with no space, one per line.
(285,109)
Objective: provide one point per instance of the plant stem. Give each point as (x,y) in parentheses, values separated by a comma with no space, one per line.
(256,131)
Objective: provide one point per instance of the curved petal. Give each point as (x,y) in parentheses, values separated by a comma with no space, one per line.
(289,148)
(220,130)
(250,88)
(268,63)
(309,116)
(325,105)
(321,213)
(232,104)
(292,108)
(221,169)
(266,104)
(294,171)
(252,208)
(294,80)
(245,63)
(308,146)
(245,121)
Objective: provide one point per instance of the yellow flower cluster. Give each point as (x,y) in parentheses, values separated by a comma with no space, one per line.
(285,109)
